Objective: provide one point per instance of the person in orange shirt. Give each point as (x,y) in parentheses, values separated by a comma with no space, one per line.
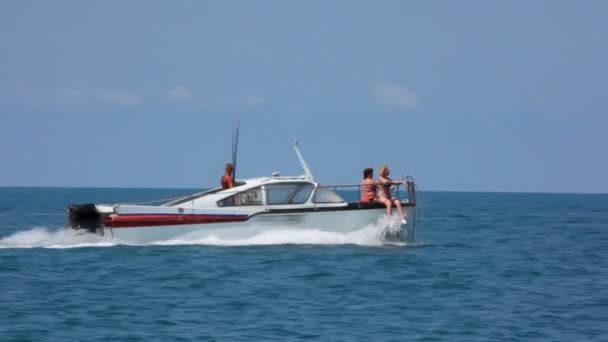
(384,193)
(368,186)
(227,181)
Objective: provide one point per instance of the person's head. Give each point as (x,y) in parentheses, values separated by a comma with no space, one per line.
(368,173)
(229,167)
(384,171)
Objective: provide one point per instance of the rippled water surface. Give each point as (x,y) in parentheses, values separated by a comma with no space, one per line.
(485,266)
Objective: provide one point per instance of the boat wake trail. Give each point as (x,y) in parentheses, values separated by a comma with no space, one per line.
(47,238)
(249,236)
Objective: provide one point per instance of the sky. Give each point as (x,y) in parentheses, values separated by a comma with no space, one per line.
(463,95)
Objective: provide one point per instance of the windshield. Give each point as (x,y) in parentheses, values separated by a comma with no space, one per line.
(288,193)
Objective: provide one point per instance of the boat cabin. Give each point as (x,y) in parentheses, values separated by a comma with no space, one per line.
(264,192)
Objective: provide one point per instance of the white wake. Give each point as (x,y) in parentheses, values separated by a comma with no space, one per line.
(47,238)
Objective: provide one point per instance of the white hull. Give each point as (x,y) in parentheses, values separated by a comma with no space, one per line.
(330,221)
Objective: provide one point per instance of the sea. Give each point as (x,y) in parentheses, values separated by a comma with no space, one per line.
(483,267)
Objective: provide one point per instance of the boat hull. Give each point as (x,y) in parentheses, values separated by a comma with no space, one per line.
(339,221)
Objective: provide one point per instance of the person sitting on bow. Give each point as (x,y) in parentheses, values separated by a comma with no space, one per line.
(368,186)
(385,196)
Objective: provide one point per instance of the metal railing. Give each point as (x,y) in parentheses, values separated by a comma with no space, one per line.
(408,191)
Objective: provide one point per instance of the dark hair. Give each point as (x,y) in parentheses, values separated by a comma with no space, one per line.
(367,172)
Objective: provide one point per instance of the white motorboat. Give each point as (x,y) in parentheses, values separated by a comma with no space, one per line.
(252,205)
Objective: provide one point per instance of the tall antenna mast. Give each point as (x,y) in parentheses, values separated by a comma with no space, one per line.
(235,144)
(302,161)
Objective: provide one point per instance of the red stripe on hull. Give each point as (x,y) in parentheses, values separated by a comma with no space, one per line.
(145,220)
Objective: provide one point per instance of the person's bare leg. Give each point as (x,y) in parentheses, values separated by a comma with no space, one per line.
(388,204)
(400,211)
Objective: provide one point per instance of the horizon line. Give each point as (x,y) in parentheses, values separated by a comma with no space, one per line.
(208,188)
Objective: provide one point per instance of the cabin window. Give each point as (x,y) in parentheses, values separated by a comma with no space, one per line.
(288,193)
(245,198)
(323,195)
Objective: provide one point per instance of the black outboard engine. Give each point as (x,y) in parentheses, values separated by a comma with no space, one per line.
(84,216)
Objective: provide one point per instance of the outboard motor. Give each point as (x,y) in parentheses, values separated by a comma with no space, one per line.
(84,216)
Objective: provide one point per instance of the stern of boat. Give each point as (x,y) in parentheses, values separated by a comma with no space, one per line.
(85,218)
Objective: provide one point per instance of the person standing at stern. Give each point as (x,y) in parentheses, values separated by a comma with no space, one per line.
(227,181)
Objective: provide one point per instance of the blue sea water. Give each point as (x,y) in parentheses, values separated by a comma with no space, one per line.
(485,266)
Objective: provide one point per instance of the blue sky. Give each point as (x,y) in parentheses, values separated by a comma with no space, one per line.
(464,95)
